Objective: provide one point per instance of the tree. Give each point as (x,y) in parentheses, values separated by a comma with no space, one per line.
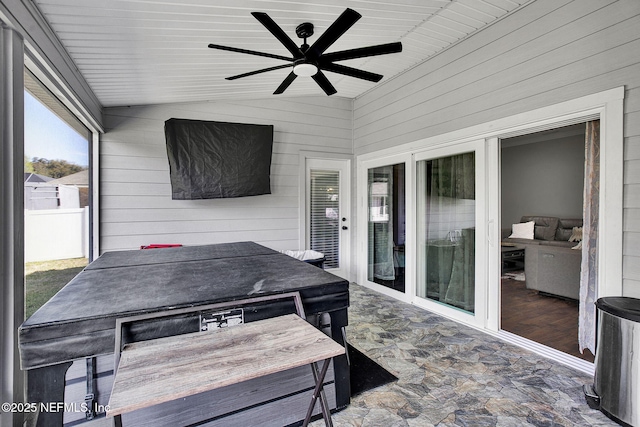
(54,168)
(28,167)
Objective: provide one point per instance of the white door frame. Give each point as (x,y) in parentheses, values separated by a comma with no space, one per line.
(328,161)
(607,107)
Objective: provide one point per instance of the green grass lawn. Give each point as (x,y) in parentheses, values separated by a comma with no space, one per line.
(43,279)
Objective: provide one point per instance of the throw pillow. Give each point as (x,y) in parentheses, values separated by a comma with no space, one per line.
(523,230)
(576,234)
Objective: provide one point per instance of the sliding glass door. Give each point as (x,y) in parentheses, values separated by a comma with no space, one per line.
(446,224)
(386,226)
(450,231)
(422,229)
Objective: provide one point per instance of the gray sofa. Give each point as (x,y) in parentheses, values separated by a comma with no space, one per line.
(550,265)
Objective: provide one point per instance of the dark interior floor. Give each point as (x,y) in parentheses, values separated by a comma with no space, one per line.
(542,318)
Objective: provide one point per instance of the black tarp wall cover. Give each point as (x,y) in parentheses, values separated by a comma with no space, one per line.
(212,160)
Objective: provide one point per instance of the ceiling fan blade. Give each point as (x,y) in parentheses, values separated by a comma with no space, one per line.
(250,52)
(324,83)
(333,33)
(285,83)
(381,49)
(351,72)
(264,70)
(282,37)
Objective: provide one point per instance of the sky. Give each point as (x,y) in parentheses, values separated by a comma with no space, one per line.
(47,136)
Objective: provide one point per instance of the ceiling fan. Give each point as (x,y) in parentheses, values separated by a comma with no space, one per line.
(311,60)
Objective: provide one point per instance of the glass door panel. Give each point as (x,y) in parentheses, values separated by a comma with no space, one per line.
(446,228)
(386,226)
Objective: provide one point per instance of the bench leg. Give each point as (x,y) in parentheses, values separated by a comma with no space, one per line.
(319,392)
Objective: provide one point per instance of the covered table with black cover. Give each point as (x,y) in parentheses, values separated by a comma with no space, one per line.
(78,323)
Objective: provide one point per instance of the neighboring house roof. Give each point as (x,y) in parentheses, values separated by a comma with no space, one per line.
(34,177)
(80,179)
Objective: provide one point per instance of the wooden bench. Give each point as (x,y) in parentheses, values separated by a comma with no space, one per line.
(164,369)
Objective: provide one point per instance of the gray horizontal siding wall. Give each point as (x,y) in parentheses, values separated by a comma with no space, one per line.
(135,202)
(547,52)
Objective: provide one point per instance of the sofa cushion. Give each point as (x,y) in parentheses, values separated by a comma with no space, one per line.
(545,226)
(519,242)
(559,243)
(524,230)
(565,228)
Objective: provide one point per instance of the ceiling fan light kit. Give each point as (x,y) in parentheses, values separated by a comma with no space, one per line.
(310,61)
(305,69)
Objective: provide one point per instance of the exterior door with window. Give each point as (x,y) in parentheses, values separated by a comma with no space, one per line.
(328,212)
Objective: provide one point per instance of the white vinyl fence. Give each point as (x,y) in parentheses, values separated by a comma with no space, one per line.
(56,234)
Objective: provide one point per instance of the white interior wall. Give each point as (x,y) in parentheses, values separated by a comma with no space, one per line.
(135,203)
(545,178)
(547,52)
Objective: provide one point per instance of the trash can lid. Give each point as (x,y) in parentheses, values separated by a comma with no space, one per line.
(624,307)
(305,255)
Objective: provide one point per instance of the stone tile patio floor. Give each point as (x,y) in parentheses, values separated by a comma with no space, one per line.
(453,375)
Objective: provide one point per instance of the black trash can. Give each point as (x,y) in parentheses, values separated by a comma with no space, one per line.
(308,256)
(616,382)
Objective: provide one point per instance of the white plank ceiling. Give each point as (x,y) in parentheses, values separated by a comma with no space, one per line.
(135,52)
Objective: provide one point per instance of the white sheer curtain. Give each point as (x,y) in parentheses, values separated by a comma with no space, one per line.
(589,267)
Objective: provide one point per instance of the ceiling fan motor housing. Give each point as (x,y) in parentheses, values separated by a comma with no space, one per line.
(304,30)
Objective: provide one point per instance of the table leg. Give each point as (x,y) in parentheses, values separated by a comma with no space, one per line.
(319,392)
